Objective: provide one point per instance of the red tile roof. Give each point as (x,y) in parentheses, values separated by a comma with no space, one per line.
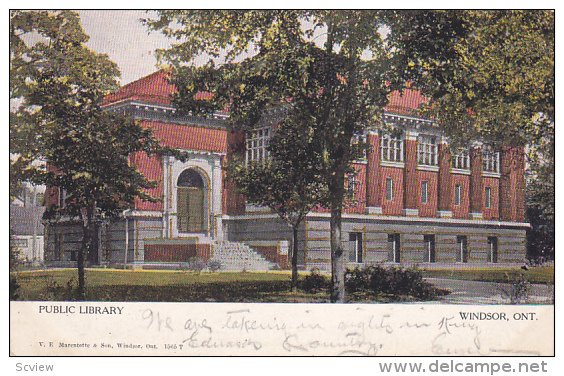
(155,88)
(405,104)
(190,137)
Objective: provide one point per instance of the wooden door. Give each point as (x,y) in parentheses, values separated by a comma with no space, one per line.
(190,209)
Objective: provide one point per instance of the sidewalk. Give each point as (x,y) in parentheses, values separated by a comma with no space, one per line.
(476,292)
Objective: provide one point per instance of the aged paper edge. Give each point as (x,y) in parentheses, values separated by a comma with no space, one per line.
(270,329)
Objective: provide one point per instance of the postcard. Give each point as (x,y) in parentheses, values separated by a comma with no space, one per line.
(282,183)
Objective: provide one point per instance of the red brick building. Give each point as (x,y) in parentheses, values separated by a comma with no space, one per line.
(418,201)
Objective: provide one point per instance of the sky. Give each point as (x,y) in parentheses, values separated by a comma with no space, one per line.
(122,36)
(128,43)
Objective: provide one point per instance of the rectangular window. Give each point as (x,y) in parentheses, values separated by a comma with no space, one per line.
(62,197)
(462,249)
(352,186)
(429,241)
(488,197)
(257,144)
(391,148)
(355,247)
(492,247)
(394,248)
(427,150)
(490,160)
(461,159)
(424,192)
(58,246)
(389,189)
(358,143)
(457,194)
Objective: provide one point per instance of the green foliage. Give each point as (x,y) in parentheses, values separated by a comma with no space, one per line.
(195,264)
(519,290)
(214,265)
(14,263)
(56,89)
(49,59)
(14,287)
(268,60)
(289,181)
(56,291)
(541,204)
(314,282)
(490,73)
(57,86)
(396,281)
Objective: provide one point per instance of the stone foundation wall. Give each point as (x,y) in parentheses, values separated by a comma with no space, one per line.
(511,242)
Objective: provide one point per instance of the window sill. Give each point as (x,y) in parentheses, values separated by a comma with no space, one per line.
(428,168)
(490,174)
(459,171)
(392,164)
(250,208)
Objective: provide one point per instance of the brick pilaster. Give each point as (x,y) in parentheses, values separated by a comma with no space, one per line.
(444,186)
(410,195)
(373,197)
(505,196)
(476,190)
(519,177)
(512,184)
(233,202)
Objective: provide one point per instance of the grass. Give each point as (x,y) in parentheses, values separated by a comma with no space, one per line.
(538,274)
(183,286)
(151,285)
(175,286)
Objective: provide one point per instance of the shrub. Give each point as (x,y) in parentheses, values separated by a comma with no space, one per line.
(56,291)
(357,280)
(518,291)
(393,281)
(214,265)
(380,279)
(14,287)
(314,282)
(15,261)
(194,264)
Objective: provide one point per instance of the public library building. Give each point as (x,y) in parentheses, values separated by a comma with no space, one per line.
(417,203)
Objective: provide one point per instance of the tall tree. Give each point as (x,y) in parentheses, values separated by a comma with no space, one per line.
(58,84)
(288,181)
(490,73)
(332,66)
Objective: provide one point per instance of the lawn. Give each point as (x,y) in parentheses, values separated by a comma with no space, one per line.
(175,286)
(538,274)
(185,286)
(151,285)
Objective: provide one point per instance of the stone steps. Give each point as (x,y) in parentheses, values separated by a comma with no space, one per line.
(235,256)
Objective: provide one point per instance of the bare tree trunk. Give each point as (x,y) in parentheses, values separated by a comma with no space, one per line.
(337,252)
(84,249)
(294,258)
(84,246)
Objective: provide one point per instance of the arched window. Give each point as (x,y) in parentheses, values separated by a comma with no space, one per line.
(190,202)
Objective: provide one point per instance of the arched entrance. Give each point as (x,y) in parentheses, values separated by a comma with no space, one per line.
(191,215)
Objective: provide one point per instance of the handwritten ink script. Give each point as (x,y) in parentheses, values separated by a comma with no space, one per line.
(361,334)
(287,329)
